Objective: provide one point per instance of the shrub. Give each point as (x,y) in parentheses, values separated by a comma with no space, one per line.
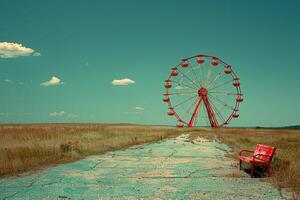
(71,146)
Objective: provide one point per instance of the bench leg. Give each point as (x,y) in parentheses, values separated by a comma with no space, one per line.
(268,170)
(252,169)
(240,165)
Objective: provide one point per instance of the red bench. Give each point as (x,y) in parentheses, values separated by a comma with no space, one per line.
(262,156)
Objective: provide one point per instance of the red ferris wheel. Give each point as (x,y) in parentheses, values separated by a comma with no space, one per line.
(203,90)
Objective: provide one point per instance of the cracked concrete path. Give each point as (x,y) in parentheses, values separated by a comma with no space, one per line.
(170,169)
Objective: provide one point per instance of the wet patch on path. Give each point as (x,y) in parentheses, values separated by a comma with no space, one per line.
(170,169)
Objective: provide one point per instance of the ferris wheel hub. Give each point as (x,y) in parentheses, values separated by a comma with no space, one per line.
(202,92)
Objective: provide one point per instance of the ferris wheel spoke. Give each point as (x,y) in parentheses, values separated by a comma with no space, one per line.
(212,83)
(183,93)
(185,75)
(201,75)
(222,109)
(209,72)
(188,86)
(221,102)
(218,112)
(185,101)
(194,80)
(195,112)
(197,118)
(182,80)
(195,76)
(198,115)
(206,117)
(201,111)
(222,84)
(190,108)
(224,94)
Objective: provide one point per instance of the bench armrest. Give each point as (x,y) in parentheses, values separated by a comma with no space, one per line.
(249,151)
(256,157)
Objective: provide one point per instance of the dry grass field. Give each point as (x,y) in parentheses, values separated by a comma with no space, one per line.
(286,163)
(285,167)
(28,147)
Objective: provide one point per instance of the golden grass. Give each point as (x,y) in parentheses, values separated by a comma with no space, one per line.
(285,166)
(27,147)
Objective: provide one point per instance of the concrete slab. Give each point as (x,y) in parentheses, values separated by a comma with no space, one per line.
(170,169)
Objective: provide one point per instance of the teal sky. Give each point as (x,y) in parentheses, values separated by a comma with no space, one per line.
(88,44)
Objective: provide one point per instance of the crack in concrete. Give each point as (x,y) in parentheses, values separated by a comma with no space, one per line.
(168,169)
(21,190)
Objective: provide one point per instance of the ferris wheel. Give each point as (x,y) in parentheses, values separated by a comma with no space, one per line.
(203,90)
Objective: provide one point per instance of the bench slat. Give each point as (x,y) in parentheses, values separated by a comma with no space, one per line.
(264,152)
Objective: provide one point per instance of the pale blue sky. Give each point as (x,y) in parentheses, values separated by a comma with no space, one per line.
(87,44)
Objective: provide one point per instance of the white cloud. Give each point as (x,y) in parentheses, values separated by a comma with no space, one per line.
(36,54)
(53,81)
(139,108)
(15,82)
(57,114)
(13,50)
(62,114)
(136,110)
(7,81)
(125,81)
(15,114)
(71,115)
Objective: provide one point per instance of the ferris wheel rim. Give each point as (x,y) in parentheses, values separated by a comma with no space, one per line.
(184,64)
